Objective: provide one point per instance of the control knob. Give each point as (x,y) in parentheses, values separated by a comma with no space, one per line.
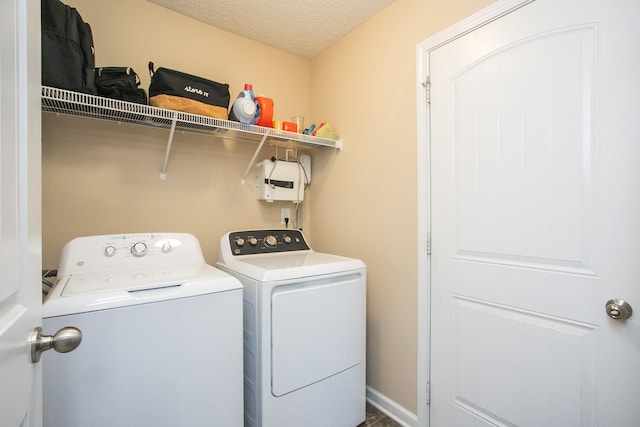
(287,239)
(139,249)
(270,241)
(110,251)
(253,241)
(239,242)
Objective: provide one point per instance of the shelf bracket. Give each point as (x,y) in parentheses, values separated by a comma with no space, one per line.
(163,173)
(243,180)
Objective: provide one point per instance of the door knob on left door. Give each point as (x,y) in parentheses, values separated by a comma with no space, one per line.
(65,340)
(619,309)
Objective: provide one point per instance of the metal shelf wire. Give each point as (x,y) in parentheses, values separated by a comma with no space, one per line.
(61,101)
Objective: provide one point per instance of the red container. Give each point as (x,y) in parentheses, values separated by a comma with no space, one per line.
(266,111)
(290,126)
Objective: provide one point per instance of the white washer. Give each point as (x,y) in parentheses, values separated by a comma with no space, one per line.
(304,330)
(161,335)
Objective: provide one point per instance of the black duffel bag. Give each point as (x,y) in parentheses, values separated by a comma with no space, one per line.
(175,90)
(120,83)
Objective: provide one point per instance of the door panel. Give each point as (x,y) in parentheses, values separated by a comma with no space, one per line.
(20,200)
(522,153)
(492,344)
(534,220)
(316,331)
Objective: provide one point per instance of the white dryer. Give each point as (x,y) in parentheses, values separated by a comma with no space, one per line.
(304,330)
(161,335)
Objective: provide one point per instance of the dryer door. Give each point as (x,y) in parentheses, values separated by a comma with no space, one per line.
(317,330)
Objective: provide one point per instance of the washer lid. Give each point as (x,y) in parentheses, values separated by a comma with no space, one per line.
(83,292)
(136,279)
(289,265)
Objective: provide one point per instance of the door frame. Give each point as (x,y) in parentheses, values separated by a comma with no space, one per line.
(423,108)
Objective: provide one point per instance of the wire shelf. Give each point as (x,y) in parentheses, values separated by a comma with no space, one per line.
(61,101)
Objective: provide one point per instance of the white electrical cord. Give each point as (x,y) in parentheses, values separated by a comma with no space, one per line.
(300,186)
(306,176)
(295,215)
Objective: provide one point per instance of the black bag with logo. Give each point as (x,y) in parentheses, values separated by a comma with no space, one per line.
(120,83)
(175,90)
(68,57)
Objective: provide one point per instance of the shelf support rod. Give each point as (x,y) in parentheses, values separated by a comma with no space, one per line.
(163,173)
(243,180)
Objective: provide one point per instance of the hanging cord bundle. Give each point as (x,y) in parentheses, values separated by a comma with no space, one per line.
(307,181)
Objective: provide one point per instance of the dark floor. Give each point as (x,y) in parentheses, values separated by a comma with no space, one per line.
(377,419)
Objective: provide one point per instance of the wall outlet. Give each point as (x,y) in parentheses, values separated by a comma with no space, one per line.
(285,213)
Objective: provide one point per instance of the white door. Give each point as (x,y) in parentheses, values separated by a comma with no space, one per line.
(535,204)
(20,211)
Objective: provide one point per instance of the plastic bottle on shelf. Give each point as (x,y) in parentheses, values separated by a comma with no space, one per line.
(249,88)
(243,109)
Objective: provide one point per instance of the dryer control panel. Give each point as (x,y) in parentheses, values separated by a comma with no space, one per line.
(266,241)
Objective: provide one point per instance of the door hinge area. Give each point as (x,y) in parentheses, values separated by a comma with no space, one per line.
(428,243)
(428,394)
(427,87)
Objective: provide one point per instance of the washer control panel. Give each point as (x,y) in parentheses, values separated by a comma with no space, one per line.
(135,250)
(266,241)
(138,245)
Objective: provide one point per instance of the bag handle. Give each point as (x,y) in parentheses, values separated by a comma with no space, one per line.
(114,70)
(151,70)
(118,70)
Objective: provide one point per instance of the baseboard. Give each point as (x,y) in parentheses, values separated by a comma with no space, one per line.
(391,409)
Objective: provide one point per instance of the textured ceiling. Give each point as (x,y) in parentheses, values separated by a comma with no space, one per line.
(301,27)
